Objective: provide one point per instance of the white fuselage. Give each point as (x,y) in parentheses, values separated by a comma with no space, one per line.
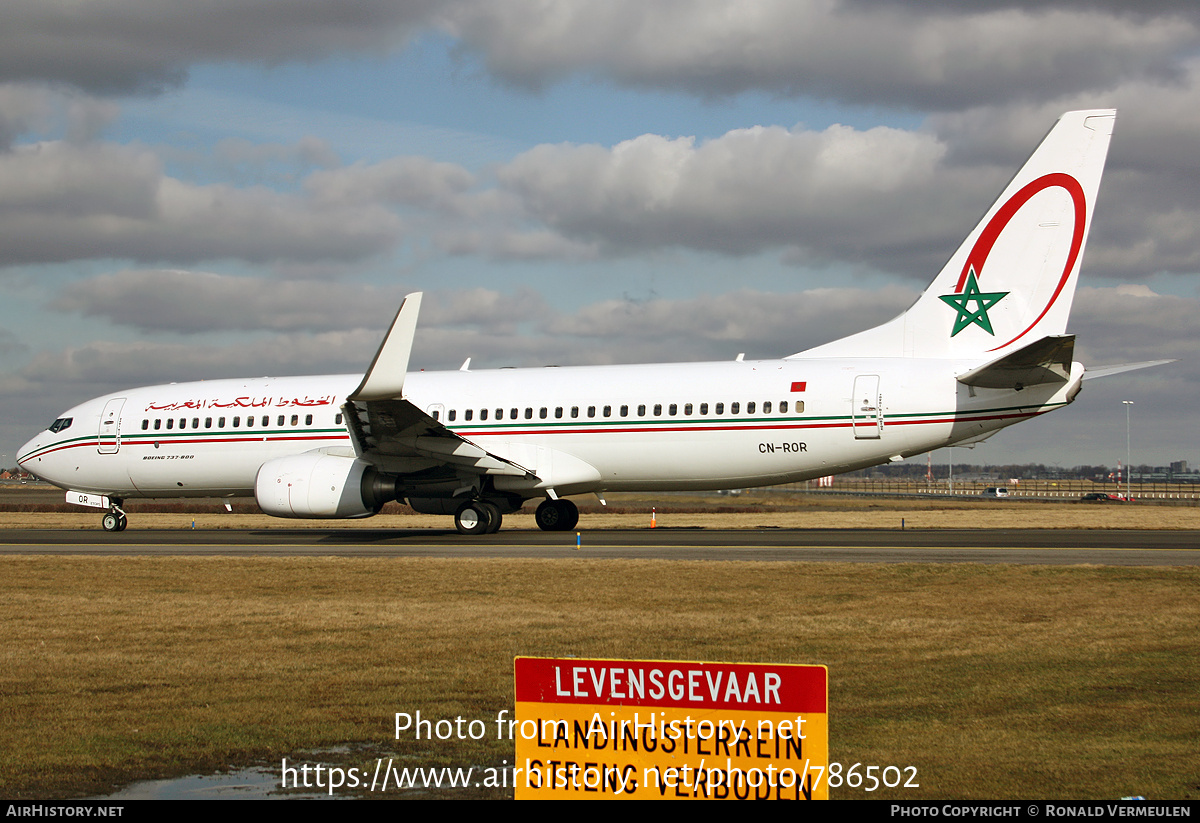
(580,429)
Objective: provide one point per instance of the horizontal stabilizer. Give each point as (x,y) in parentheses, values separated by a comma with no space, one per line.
(1105,371)
(1046,361)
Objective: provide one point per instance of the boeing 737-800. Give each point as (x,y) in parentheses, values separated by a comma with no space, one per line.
(984,347)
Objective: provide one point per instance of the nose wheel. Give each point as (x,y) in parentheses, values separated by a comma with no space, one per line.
(115,520)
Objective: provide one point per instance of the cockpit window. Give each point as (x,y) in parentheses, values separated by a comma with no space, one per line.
(61,423)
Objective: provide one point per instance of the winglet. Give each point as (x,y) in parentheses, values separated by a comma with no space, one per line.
(384,379)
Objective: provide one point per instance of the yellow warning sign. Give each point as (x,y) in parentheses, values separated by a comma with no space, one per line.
(670,730)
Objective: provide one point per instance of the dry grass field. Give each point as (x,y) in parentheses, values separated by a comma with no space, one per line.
(993,681)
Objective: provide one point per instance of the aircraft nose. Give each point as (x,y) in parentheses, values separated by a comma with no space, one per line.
(27,457)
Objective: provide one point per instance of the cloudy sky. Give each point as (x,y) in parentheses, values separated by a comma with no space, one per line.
(201,190)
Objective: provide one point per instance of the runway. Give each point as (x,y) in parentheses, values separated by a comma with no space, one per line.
(1023,546)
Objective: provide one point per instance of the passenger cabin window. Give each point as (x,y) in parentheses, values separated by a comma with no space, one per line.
(734,407)
(337,420)
(624,411)
(157,424)
(749,408)
(767,407)
(295,420)
(280,421)
(704,408)
(195,422)
(450,415)
(307,420)
(672,409)
(170,422)
(687,409)
(783,407)
(208,422)
(720,409)
(642,410)
(221,422)
(468,414)
(512,415)
(608,411)
(591,411)
(542,412)
(658,409)
(145,425)
(483,414)
(574,411)
(529,413)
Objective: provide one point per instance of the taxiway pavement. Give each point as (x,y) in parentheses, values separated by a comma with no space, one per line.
(1024,546)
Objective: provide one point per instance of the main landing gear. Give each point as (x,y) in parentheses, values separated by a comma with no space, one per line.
(478,517)
(483,517)
(557,515)
(115,520)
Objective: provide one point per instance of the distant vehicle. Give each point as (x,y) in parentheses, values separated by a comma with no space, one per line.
(1101,497)
(994,491)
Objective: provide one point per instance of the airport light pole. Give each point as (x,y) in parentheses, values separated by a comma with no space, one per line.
(1128,465)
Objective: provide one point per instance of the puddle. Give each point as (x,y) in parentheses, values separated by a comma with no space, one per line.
(253,783)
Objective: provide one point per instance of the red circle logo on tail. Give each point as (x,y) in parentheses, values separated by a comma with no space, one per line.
(991,233)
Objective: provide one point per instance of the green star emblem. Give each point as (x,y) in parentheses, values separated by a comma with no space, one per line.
(982,300)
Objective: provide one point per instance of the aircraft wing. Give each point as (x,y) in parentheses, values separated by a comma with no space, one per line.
(390,432)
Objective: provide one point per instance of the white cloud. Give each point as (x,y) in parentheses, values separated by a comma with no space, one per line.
(410,181)
(61,201)
(137,46)
(863,196)
(193,302)
(926,55)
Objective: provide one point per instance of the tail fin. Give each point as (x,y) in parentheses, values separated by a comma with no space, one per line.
(1012,280)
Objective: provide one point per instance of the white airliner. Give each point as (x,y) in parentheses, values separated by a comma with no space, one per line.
(984,347)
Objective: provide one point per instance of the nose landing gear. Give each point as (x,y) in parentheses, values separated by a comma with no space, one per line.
(115,520)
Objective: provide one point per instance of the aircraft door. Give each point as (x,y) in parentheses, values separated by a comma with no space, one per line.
(110,426)
(866,408)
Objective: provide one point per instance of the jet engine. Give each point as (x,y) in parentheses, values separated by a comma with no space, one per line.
(321,486)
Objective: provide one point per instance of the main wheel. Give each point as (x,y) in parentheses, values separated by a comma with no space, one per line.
(495,518)
(556,515)
(472,518)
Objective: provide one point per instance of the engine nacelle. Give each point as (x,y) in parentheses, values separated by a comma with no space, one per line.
(321,486)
